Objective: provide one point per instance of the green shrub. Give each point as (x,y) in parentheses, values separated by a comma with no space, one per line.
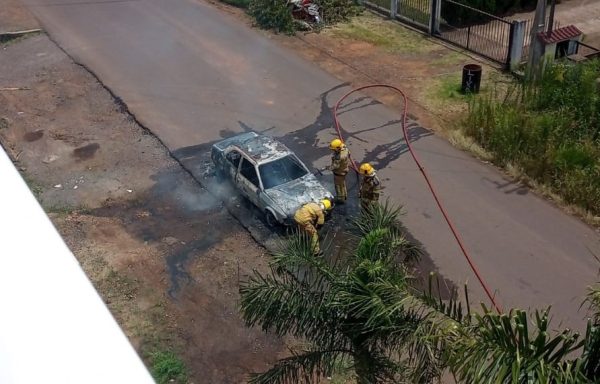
(277,15)
(336,11)
(549,129)
(238,3)
(166,366)
(272,14)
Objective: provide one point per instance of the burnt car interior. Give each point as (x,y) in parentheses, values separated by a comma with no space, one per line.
(249,172)
(234,158)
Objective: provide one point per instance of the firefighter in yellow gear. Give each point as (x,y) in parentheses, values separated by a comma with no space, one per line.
(339,168)
(308,217)
(370,186)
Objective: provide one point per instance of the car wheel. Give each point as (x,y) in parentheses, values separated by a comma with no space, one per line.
(270,219)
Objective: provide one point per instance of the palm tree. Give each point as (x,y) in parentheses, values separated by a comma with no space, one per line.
(514,349)
(363,308)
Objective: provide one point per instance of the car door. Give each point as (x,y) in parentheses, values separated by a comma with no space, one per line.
(232,163)
(248,182)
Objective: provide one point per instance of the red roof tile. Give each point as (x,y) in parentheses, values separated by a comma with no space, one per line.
(561,34)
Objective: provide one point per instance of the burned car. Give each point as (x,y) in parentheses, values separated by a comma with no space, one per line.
(268,174)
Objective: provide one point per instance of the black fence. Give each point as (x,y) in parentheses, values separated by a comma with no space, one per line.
(475,30)
(382,6)
(415,12)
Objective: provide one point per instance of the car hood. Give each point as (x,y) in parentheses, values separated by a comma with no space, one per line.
(291,196)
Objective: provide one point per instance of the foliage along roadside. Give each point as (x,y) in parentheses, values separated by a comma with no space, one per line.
(366,309)
(276,14)
(550,130)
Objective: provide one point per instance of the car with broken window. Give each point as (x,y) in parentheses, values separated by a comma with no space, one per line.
(268,174)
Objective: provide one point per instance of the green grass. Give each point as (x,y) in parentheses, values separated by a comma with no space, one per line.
(384,34)
(550,130)
(449,58)
(167,367)
(444,92)
(67,209)
(448,88)
(34,187)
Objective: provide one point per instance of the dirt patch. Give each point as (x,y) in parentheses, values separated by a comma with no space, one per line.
(86,152)
(15,17)
(164,255)
(33,136)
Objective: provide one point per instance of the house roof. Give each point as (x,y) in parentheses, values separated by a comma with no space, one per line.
(561,34)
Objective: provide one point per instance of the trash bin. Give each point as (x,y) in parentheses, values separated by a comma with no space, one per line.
(471,78)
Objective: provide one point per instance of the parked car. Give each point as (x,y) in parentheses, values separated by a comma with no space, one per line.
(268,174)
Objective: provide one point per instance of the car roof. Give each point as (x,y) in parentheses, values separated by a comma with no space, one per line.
(260,148)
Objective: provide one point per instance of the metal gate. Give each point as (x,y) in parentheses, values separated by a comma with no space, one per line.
(416,13)
(475,30)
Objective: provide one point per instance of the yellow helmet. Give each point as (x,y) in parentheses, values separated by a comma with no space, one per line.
(326,204)
(336,144)
(366,169)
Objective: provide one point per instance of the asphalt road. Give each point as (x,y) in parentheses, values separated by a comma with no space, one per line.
(193,75)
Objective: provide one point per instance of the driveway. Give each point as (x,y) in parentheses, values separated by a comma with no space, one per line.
(193,75)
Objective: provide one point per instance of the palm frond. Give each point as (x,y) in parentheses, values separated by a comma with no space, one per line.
(375,366)
(285,305)
(370,297)
(380,216)
(451,307)
(382,235)
(590,357)
(500,348)
(592,298)
(295,255)
(304,367)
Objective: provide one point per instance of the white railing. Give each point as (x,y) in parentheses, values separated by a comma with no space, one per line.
(54,327)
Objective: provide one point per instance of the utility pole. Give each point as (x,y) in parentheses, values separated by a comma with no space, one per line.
(536,49)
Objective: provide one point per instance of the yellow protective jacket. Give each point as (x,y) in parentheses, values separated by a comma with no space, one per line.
(339,162)
(370,188)
(310,213)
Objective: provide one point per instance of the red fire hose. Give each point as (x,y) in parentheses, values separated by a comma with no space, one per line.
(427,180)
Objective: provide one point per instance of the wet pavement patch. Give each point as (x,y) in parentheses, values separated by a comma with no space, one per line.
(33,136)
(86,152)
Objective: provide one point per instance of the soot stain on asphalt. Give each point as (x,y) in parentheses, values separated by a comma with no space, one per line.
(180,218)
(33,136)
(306,144)
(86,152)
